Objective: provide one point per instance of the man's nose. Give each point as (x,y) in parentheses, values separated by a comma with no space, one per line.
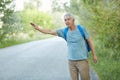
(67,20)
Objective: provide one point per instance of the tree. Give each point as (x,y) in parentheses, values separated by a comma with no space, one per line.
(10,19)
(41,18)
(32,4)
(58,5)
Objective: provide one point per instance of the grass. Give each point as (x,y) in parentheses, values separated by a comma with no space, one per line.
(108,66)
(12,42)
(107,69)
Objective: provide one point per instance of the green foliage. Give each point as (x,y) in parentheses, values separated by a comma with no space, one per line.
(19,38)
(42,19)
(10,19)
(106,18)
(56,6)
(4,5)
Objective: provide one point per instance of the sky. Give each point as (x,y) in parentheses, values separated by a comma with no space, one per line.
(46,5)
(19,5)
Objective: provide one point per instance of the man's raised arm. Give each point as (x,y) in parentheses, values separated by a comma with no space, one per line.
(45,31)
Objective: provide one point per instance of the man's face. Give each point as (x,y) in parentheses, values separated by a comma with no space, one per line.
(69,21)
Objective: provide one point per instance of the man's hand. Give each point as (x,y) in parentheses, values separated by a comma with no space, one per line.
(35,26)
(95,59)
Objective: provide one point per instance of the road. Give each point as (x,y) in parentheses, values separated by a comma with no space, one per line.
(36,60)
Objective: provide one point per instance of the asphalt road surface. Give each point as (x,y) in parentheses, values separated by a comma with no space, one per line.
(36,60)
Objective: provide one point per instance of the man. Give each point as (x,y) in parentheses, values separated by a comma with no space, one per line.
(77,50)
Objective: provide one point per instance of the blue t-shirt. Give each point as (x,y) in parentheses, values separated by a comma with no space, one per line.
(77,49)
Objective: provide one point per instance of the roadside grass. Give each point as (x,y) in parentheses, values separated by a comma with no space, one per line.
(12,42)
(106,69)
(108,66)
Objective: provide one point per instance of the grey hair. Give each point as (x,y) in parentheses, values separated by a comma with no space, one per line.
(70,15)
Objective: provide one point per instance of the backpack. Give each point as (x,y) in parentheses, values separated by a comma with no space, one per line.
(82,33)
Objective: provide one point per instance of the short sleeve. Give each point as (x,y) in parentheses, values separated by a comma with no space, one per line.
(60,32)
(86,32)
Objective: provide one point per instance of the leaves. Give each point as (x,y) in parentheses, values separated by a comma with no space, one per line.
(41,18)
(10,19)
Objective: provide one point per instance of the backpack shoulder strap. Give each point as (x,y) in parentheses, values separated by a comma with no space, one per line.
(81,31)
(65,32)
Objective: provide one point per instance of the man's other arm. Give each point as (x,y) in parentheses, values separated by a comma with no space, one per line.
(92,49)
